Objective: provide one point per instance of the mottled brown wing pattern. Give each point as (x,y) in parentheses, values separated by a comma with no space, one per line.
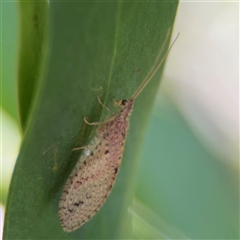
(89,184)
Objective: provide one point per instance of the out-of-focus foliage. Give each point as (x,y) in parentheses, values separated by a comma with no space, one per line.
(80,51)
(183,189)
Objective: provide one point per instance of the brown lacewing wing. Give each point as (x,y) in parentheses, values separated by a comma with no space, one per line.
(95,173)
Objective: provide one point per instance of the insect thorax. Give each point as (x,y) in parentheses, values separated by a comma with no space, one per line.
(116,129)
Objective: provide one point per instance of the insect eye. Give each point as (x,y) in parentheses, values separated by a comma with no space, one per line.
(124,102)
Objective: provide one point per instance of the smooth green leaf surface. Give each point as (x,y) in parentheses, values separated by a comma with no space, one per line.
(9,35)
(93,49)
(33,37)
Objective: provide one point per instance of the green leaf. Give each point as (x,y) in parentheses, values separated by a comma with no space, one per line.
(33,37)
(93,49)
(8,58)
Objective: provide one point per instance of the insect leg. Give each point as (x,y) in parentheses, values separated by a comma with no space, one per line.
(79,148)
(99,123)
(99,100)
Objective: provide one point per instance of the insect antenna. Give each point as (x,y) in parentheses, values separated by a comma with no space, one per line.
(155,66)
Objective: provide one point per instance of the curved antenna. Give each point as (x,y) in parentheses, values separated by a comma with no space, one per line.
(155,67)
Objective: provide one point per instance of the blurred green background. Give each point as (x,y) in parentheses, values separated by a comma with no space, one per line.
(184,188)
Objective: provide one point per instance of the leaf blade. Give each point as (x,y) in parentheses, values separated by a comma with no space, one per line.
(77,65)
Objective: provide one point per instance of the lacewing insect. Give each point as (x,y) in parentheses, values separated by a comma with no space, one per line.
(95,173)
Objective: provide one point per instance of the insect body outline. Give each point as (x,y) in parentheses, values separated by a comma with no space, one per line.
(95,173)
